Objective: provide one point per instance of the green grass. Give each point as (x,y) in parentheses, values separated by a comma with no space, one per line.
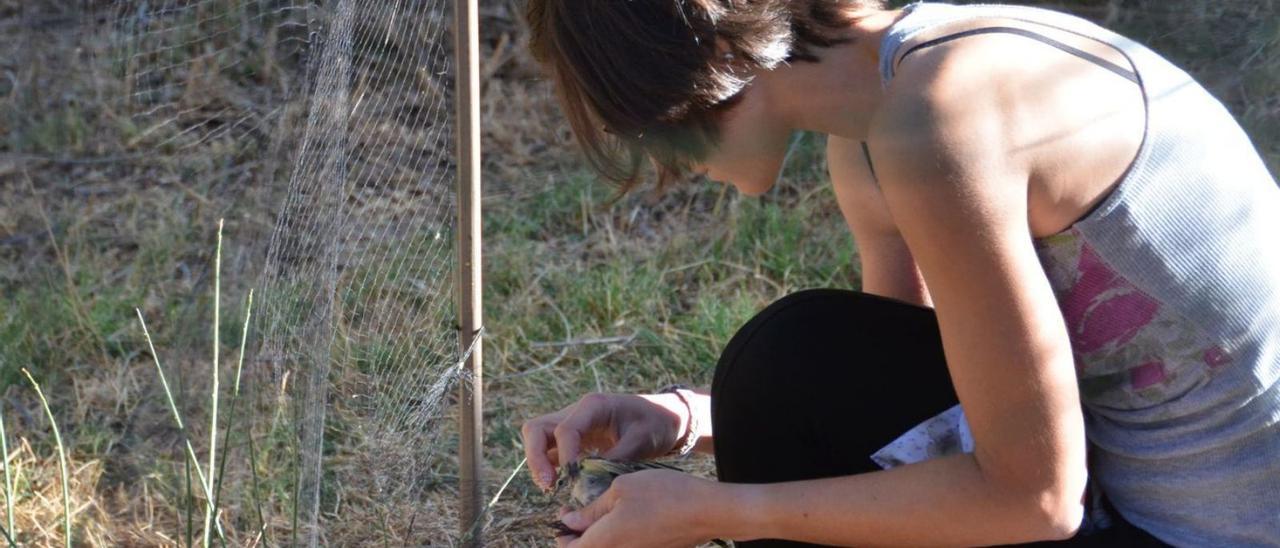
(673,276)
(683,292)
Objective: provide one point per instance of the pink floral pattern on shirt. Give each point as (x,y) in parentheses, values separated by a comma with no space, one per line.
(1131,351)
(1101,308)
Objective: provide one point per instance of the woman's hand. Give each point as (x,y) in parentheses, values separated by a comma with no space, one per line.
(649,509)
(620,426)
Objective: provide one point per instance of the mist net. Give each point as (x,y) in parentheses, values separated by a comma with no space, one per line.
(347,108)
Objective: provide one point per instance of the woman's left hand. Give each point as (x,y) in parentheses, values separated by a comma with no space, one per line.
(646,509)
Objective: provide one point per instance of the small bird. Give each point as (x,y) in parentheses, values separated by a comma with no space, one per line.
(590,477)
(584,481)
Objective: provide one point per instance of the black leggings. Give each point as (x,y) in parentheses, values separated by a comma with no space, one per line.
(821,379)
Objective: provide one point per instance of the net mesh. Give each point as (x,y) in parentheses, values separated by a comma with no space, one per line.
(357,346)
(192,71)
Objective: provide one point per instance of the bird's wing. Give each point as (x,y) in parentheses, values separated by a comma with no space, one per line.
(617,468)
(654,465)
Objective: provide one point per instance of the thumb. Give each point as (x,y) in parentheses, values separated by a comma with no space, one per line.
(580,520)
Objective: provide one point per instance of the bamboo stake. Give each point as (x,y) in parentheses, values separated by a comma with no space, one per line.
(471,444)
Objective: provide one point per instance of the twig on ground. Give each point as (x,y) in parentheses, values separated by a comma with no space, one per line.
(674,269)
(755,273)
(75,161)
(541,367)
(622,339)
(568,332)
(596,372)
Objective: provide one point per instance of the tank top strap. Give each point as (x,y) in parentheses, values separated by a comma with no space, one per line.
(922,17)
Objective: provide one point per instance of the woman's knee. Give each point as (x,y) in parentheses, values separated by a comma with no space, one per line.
(742,357)
(813,332)
(818,368)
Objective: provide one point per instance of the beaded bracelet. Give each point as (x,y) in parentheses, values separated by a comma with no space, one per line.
(686,442)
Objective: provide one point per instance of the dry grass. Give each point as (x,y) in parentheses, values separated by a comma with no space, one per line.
(110,220)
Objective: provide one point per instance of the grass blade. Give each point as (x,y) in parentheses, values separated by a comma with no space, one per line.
(205,486)
(213,391)
(480,518)
(8,487)
(190,503)
(62,458)
(297,492)
(231,411)
(8,481)
(257,502)
(8,538)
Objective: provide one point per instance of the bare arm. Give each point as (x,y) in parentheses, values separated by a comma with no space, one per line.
(887,266)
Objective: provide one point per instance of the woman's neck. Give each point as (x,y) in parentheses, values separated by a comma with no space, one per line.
(841,93)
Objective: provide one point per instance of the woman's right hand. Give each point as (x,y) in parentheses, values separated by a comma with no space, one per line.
(618,426)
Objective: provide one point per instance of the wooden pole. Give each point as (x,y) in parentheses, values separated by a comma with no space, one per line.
(467,98)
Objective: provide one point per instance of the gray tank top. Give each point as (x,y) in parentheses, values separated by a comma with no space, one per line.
(1170,289)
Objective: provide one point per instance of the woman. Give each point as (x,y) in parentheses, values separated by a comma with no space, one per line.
(1060,232)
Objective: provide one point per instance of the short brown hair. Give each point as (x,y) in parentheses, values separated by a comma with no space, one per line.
(650,79)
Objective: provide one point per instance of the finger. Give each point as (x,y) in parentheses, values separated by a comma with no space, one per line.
(568,440)
(588,413)
(580,520)
(535,434)
(632,446)
(601,534)
(563,541)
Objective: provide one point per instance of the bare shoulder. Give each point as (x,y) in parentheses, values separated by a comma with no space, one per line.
(948,108)
(1059,127)
(1020,72)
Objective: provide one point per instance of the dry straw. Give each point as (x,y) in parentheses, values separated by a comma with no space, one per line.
(62,460)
